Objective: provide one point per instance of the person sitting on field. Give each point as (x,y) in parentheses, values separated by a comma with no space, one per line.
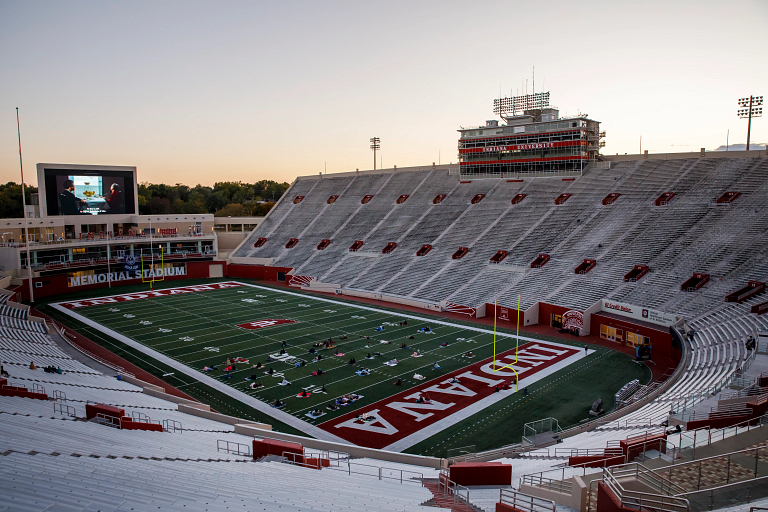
(285,382)
(444,344)
(332,407)
(270,371)
(228,376)
(411,337)
(378,354)
(318,344)
(253,377)
(278,403)
(269,359)
(380,328)
(416,353)
(454,380)
(255,385)
(398,382)
(207,368)
(323,390)
(437,366)
(336,352)
(352,361)
(303,394)
(369,356)
(343,337)
(282,351)
(316,412)
(312,351)
(403,345)
(469,354)
(259,365)
(284,344)
(366,337)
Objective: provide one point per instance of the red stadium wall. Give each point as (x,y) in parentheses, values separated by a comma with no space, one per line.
(255,271)
(547,310)
(661,339)
(59,283)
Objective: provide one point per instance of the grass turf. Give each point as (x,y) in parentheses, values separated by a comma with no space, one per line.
(199,329)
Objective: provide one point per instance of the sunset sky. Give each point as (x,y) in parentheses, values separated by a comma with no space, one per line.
(199,92)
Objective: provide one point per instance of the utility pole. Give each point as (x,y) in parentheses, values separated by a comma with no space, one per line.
(751,107)
(375,145)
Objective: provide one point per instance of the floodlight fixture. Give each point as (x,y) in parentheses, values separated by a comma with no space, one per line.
(375,145)
(522,103)
(751,107)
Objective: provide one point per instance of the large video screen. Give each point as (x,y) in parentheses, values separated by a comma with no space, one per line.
(72,192)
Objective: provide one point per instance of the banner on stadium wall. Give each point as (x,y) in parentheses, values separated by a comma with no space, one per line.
(653,316)
(90,277)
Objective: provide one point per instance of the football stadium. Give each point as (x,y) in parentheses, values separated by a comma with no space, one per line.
(536,327)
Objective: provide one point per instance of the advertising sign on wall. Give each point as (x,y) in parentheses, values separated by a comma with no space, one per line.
(638,313)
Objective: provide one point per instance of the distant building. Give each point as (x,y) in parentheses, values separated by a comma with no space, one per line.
(533,141)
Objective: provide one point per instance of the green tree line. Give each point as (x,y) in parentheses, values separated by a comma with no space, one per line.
(10,200)
(226,198)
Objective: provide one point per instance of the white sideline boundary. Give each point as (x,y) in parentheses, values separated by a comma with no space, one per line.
(299,424)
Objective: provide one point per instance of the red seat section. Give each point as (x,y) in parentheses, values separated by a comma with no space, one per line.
(460,253)
(264,447)
(401,199)
(291,243)
(438,199)
(332,199)
(389,248)
(323,244)
(356,246)
(759,309)
(540,261)
(20,391)
(518,198)
(610,198)
(664,198)
(127,423)
(298,199)
(481,473)
(562,198)
(728,197)
(91,410)
(260,242)
(636,273)
(366,199)
(753,288)
(585,266)
(424,250)
(477,198)
(695,282)
(499,256)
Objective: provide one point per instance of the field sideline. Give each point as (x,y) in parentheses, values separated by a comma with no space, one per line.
(189,331)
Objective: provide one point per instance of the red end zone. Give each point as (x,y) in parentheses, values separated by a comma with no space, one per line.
(258,324)
(400,416)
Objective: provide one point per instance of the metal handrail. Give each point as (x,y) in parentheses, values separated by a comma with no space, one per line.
(110,421)
(237,447)
(59,395)
(451,488)
(749,424)
(172,426)
(525,502)
(64,409)
(640,500)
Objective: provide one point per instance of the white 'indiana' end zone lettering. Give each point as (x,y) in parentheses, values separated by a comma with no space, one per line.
(146,295)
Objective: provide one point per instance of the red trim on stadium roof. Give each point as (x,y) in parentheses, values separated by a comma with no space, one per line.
(525,160)
(512,135)
(511,147)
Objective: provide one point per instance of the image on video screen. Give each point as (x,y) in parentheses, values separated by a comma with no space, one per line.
(90,195)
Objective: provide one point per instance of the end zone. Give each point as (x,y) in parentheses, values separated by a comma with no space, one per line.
(402,422)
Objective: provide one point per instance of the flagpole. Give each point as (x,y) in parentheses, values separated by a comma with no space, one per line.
(24,206)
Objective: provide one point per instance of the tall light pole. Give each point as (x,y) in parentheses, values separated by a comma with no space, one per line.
(375,144)
(24,206)
(751,107)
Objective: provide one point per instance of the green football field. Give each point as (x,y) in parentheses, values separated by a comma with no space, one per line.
(201,329)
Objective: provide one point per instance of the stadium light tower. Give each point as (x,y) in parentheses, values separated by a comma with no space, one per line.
(375,144)
(750,107)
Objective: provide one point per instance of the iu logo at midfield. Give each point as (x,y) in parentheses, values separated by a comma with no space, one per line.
(258,324)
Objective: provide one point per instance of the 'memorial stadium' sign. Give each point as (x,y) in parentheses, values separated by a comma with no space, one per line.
(638,313)
(89,277)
